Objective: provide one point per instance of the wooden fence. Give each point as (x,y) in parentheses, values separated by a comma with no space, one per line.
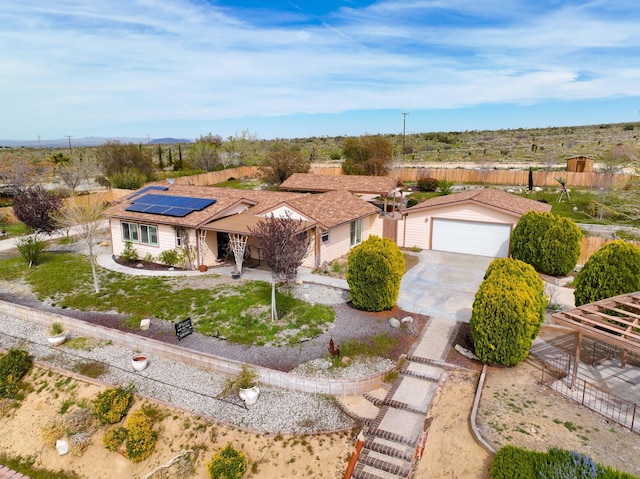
(591,244)
(498,177)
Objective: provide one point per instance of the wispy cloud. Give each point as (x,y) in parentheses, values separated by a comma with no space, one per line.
(87,64)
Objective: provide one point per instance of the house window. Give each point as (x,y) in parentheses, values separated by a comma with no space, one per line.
(178,238)
(325,237)
(130,232)
(356,232)
(149,235)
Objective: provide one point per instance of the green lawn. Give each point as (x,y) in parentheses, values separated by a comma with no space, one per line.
(239,312)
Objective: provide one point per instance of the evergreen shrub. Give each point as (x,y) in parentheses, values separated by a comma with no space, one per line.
(111,405)
(141,438)
(612,270)
(13,367)
(548,242)
(228,463)
(374,271)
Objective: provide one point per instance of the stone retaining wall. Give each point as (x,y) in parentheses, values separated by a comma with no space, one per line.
(152,347)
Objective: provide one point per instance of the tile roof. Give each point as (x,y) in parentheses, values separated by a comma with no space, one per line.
(353,183)
(225,197)
(510,203)
(333,208)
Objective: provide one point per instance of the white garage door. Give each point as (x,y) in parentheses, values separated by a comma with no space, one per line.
(482,239)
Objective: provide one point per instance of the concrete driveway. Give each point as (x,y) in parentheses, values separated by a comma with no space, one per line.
(443,284)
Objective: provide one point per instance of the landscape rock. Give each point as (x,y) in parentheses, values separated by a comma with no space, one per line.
(394,322)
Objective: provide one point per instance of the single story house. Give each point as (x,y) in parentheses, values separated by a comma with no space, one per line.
(204,219)
(366,187)
(475,222)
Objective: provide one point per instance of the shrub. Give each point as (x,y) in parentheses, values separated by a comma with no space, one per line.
(426,183)
(507,313)
(141,439)
(129,253)
(445,187)
(228,464)
(32,250)
(170,257)
(128,179)
(114,437)
(374,271)
(548,242)
(412,202)
(612,270)
(13,367)
(111,405)
(52,431)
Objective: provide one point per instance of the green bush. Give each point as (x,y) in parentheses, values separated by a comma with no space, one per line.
(612,270)
(508,312)
(445,187)
(13,367)
(128,179)
(114,437)
(228,464)
(111,405)
(32,250)
(141,438)
(426,183)
(170,257)
(129,253)
(512,462)
(374,271)
(548,242)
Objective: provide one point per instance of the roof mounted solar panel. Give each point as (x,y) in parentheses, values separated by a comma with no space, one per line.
(147,188)
(167,205)
(178,212)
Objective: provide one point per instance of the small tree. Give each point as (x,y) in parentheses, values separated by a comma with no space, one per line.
(612,270)
(281,163)
(37,208)
(548,242)
(31,249)
(367,155)
(374,271)
(284,247)
(86,217)
(508,312)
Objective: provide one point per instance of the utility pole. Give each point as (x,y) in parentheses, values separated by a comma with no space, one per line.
(404,131)
(39,144)
(69,137)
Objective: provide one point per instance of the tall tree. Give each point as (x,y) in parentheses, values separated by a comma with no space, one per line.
(37,208)
(204,153)
(86,218)
(115,157)
(284,246)
(238,147)
(367,155)
(282,162)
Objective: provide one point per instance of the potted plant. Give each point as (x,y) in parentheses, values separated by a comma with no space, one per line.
(139,361)
(56,334)
(245,384)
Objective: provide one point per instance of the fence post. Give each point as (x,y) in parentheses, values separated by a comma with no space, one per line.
(633,418)
(584,388)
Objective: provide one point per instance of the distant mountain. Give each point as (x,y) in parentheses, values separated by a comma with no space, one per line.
(85,141)
(168,141)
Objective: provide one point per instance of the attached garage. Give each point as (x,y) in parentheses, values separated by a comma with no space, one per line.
(471,237)
(477,222)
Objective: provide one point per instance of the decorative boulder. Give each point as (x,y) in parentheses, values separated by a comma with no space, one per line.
(407,319)
(394,322)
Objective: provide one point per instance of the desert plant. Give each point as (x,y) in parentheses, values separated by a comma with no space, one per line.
(507,314)
(141,438)
(56,328)
(548,242)
(13,367)
(52,431)
(228,463)
(245,379)
(612,270)
(114,438)
(129,253)
(111,405)
(31,249)
(374,271)
(128,179)
(427,183)
(445,187)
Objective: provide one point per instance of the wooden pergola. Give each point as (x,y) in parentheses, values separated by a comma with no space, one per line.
(613,320)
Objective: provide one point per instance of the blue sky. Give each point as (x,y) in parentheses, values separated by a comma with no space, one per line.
(284,69)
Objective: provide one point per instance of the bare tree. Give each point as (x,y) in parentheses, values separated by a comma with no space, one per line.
(282,162)
(71,176)
(18,175)
(284,246)
(86,218)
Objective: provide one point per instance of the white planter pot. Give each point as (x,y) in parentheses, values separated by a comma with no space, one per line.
(139,362)
(57,340)
(249,396)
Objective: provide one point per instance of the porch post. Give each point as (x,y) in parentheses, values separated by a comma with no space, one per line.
(576,359)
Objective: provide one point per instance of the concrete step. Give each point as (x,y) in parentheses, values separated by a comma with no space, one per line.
(365,471)
(390,448)
(426,371)
(424,360)
(359,408)
(393,465)
(412,394)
